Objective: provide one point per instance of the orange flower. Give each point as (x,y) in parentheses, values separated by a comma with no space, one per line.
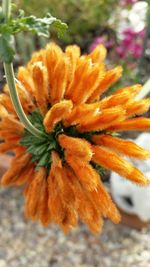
(60,92)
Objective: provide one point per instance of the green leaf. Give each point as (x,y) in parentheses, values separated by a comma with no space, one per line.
(60,27)
(39,26)
(6,49)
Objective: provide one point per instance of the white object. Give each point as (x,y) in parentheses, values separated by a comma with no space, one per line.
(129,197)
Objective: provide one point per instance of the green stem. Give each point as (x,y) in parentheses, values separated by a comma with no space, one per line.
(6,6)
(17,105)
(9,72)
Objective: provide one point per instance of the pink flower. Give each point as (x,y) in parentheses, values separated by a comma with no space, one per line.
(128,2)
(129,32)
(109,44)
(131,44)
(127,40)
(96,41)
(136,50)
(101,40)
(142,33)
(120,51)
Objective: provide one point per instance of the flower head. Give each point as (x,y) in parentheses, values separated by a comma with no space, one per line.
(61,94)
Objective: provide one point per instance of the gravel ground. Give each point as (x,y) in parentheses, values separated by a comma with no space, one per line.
(27,244)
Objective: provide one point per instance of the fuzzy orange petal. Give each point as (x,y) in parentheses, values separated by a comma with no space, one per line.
(136,124)
(110,78)
(55,203)
(24,76)
(103,120)
(98,54)
(66,198)
(53,54)
(57,113)
(16,167)
(33,193)
(77,146)
(88,211)
(90,81)
(66,192)
(40,78)
(84,67)
(73,53)
(102,201)
(112,161)
(59,84)
(25,98)
(43,209)
(6,102)
(7,146)
(121,98)
(26,175)
(81,113)
(11,124)
(137,107)
(36,57)
(124,147)
(3,111)
(133,90)
(85,173)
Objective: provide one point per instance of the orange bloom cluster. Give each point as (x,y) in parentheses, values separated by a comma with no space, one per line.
(66,88)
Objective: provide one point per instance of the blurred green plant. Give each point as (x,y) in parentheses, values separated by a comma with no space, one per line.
(82,16)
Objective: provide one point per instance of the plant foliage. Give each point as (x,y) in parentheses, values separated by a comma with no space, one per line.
(22,23)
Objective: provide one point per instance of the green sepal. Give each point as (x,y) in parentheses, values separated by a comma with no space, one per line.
(40,149)
(44,161)
(37,150)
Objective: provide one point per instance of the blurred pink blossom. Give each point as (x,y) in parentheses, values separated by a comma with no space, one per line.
(142,33)
(128,2)
(136,50)
(96,41)
(120,51)
(109,44)
(101,40)
(131,44)
(129,32)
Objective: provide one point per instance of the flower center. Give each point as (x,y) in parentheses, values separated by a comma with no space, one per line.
(41,149)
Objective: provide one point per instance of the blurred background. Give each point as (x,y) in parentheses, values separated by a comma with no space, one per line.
(123,26)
